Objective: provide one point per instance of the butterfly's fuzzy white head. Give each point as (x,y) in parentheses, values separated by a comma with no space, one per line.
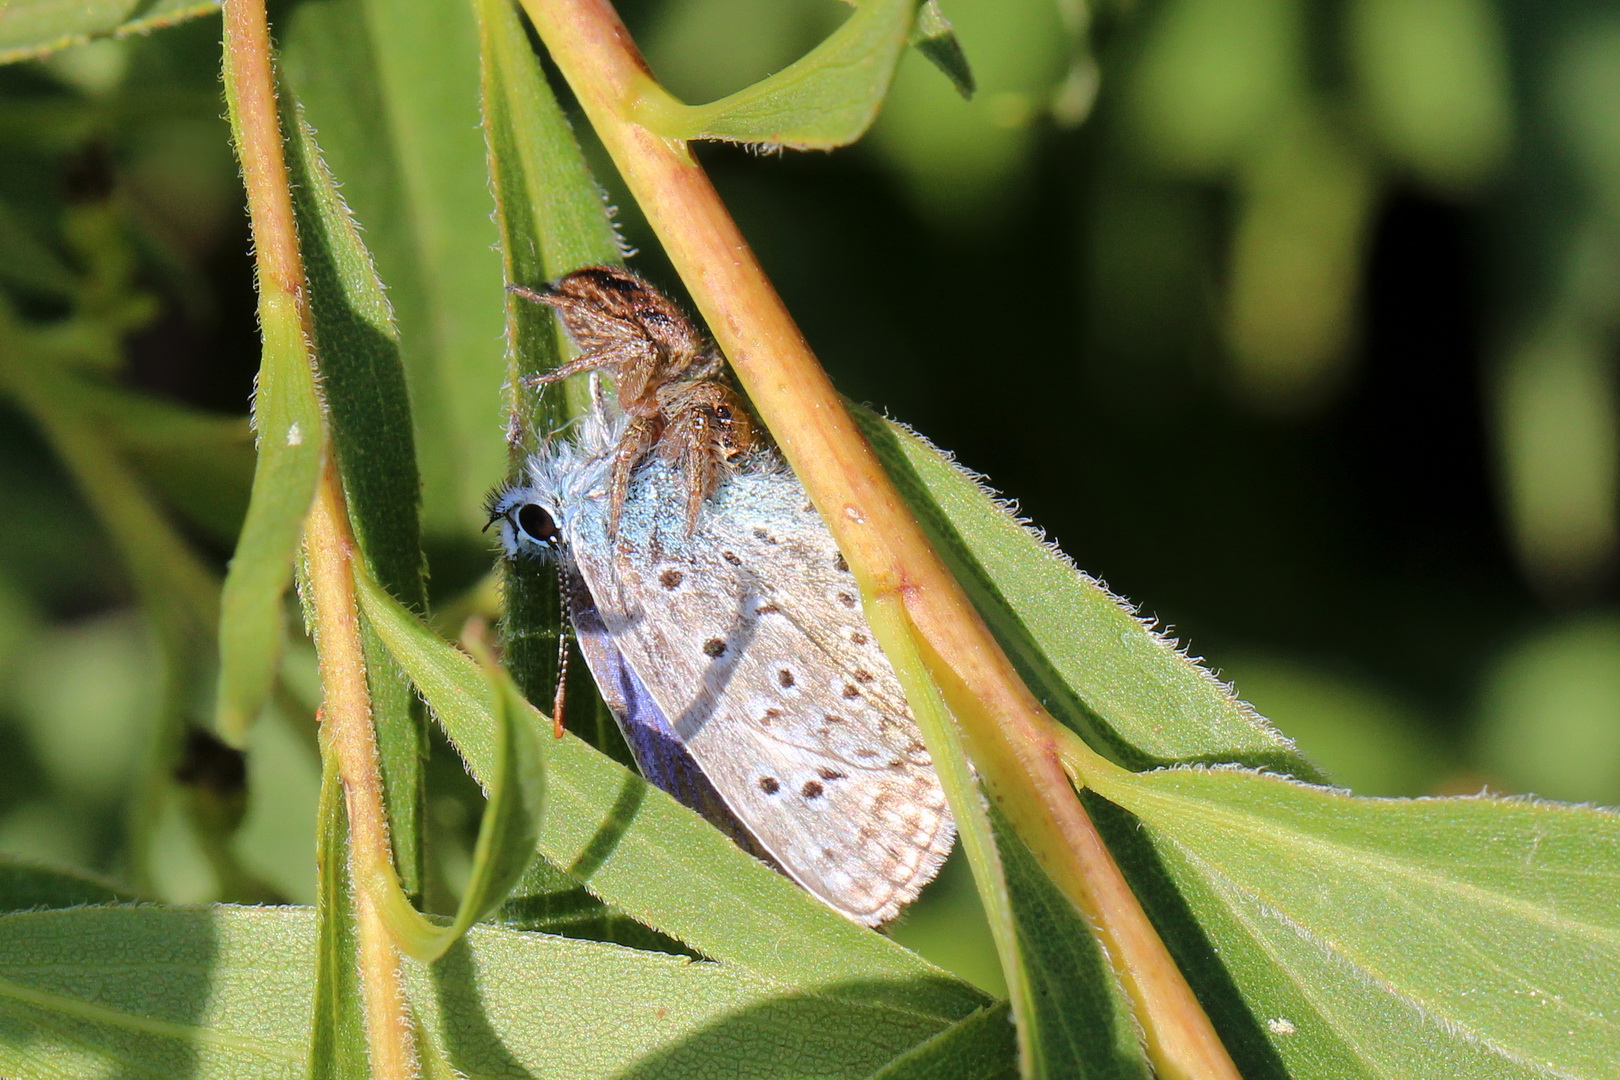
(534,517)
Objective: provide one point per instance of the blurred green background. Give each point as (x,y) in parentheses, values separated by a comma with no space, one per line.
(1295,321)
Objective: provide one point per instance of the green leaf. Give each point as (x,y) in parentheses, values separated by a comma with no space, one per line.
(291,430)
(547,206)
(980,1047)
(226,992)
(826,98)
(362,380)
(26,885)
(1081,1021)
(1460,937)
(933,36)
(33,28)
(639,850)
(337,1035)
(369,416)
(507,833)
(511,824)
(392,89)
(552,220)
(1084,653)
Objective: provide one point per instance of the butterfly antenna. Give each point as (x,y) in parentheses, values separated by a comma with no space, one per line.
(560,699)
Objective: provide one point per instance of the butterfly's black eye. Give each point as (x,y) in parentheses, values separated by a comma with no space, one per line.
(536,523)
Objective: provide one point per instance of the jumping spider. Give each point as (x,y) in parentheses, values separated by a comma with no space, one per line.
(666,373)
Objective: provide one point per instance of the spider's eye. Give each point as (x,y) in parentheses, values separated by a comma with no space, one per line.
(723,412)
(534,522)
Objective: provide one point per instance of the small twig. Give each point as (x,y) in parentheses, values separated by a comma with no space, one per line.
(1009,736)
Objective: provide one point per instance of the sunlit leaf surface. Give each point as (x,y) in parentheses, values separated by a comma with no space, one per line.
(1459,937)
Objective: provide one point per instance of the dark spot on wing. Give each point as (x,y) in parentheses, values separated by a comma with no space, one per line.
(731,557)
(671,579)
(838,561)
(829,774)
(857,638)
(767,609)
(812,789)
(866,751)
(785,677)
(770,714)
(714,648)
(831,719)
(851,690)
(847,599)
(862,675)
(769,785)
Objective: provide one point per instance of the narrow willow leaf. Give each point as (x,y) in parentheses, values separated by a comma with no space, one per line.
(506,835)
(1082,651)
(547,205)
(933,36)
(826,98)
(510,829)
(33,28)
(291,431)
(221,992)
(980,1047)
(1082,1023)
(362,380)
(25,886)
(392,88)
(1441,938)
(639,850)
(369,416)
(552,220)
(336,1038)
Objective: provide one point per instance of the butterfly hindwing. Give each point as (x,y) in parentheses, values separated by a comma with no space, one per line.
(748,634)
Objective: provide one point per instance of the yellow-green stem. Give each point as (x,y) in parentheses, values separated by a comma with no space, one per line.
(1008,733)
(329,544)
(329,550)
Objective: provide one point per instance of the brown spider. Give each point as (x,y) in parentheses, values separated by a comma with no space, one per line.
(665,372)
(707,427)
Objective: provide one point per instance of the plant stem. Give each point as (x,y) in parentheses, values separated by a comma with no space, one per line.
(346,711)
(329,544)
(1008,734)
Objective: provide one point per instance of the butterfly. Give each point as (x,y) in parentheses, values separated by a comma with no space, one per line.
(734,653)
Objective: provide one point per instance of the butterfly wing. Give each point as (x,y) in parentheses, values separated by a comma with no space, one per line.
(659,753)
(748,634)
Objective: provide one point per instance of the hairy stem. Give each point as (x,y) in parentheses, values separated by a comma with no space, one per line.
(328,542)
